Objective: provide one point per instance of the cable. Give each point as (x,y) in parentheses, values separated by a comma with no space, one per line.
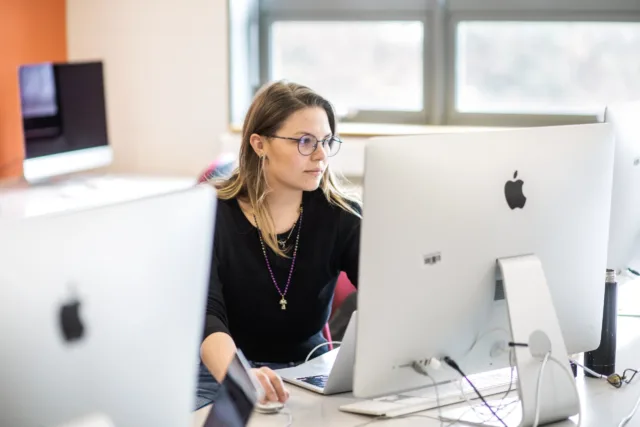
(614,379)
(587,370)
(631,414)
(289,415)
(435,385)
(474,408)
(604,377)
(546,359)
(569,375)
(536,420)
(500,406)
(513,368)
(421,369)
(455,366)
(320,346)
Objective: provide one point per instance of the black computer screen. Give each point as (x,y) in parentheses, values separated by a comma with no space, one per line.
(237,397)
(63,107)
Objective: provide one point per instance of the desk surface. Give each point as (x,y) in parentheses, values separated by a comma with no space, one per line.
(602,405)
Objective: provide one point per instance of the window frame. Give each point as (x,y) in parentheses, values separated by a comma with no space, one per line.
(457,118)
(440,19)
(268,18)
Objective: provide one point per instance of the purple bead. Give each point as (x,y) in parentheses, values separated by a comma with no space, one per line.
(293,261)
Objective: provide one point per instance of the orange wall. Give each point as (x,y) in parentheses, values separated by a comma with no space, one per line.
(30,31)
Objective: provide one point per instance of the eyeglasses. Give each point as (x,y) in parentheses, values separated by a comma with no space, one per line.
(308,144)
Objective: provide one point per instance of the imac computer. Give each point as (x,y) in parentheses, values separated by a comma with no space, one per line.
(63,118)
(102,312)
(476,245)
(624,232)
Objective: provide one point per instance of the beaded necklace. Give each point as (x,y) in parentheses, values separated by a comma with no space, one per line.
(281,292)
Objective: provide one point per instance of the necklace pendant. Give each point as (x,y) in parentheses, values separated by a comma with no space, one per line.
(283,303)
(282,243)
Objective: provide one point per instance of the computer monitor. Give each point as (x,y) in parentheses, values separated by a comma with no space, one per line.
(440,210)
(64,119)
(624,232)
(238,395)
(102,311)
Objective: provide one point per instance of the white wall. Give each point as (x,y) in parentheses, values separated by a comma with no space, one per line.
(166,73)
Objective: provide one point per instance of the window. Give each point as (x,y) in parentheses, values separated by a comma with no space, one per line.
(361,65)
(459,62)
(545,67)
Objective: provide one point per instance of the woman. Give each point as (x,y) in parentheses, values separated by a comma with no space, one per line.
(284,231)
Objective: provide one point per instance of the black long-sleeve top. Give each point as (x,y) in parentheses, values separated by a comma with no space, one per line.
(243,300)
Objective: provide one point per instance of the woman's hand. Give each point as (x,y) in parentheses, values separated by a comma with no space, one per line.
(274,390)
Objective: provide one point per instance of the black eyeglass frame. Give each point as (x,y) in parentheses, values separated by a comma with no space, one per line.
(315,144)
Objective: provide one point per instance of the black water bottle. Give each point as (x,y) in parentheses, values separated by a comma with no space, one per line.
(603,360)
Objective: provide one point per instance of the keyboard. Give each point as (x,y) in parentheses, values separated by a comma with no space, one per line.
(488,384)
(315,380)
(509,410)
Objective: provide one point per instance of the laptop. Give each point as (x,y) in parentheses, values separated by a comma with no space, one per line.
(102,312)
(330,373)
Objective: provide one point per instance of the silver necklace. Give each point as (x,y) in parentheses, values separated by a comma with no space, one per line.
(283,243)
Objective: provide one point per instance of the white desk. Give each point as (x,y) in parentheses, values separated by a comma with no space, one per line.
(19,200)
(602,405)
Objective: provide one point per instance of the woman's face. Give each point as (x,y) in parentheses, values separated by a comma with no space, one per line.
(284,165)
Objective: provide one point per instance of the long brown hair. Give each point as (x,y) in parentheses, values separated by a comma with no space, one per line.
(271,107)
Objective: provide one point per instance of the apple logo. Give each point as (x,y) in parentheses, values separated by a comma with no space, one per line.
(513,193)
(70,320)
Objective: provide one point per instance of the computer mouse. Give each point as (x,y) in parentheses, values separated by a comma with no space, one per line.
(269,407)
